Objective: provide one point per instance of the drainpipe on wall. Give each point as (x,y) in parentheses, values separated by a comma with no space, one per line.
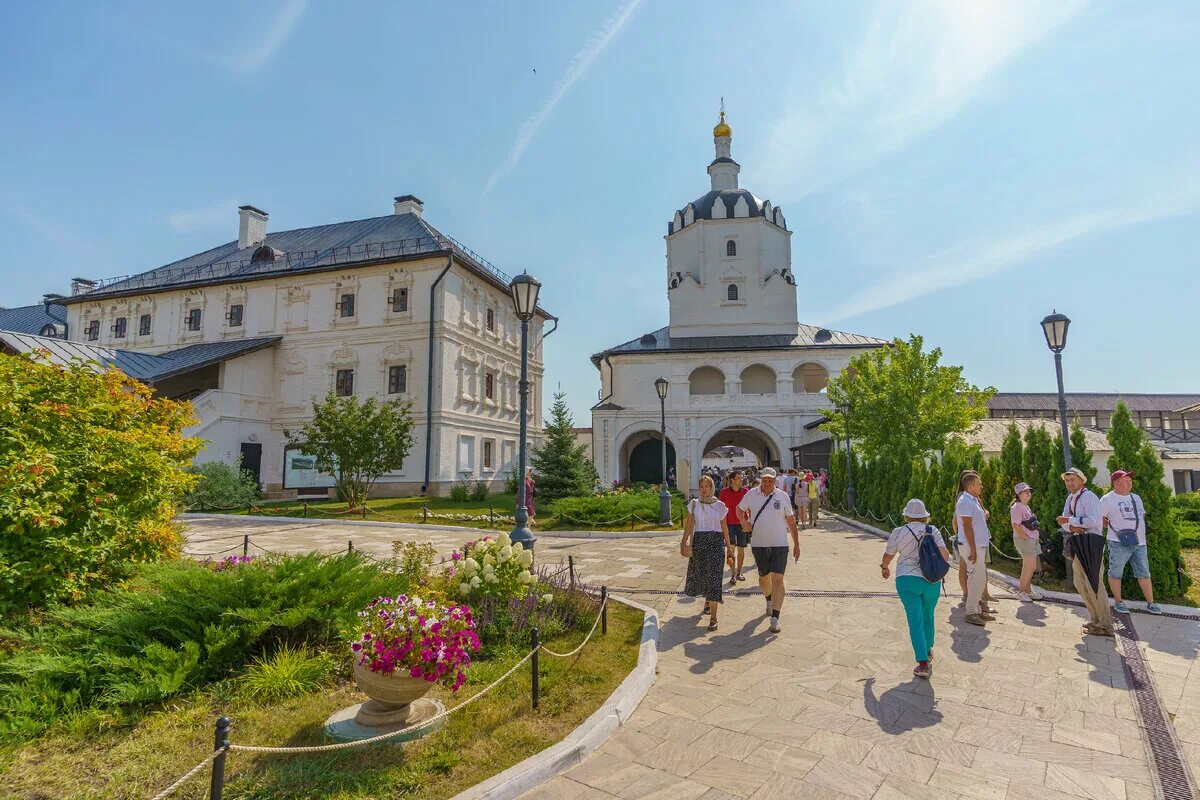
(429,383)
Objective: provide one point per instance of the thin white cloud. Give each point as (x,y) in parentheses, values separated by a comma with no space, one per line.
(980,258)
(575,70)
(917,65)
(217,215)
(261,46)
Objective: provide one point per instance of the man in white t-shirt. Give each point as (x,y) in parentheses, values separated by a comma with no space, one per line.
(767,514)
(973,541)
(1124,512)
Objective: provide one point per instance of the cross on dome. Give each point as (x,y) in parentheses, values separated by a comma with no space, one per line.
(722,128)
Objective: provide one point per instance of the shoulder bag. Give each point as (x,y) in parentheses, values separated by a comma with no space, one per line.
(1129,537)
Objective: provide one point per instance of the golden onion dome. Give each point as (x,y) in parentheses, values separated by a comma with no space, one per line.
(722,128)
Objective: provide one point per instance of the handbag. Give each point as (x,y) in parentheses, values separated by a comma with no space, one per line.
(1129,537)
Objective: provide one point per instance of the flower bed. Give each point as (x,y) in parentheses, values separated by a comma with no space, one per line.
(428,639)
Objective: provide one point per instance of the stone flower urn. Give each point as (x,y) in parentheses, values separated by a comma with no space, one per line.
(396,700)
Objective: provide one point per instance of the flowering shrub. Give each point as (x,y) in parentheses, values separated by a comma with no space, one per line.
(229,562)
(426,639)
(492,567)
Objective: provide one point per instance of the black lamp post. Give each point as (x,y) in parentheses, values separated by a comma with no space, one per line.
(1055,327)
(851,495)
(664,497)
(524,296)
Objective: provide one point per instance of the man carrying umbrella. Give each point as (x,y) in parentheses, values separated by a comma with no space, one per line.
(1083,541)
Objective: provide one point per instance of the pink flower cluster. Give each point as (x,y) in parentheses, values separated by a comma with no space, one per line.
(427,639)
(229,562)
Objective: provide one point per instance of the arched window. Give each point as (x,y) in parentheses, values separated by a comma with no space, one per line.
(758,379)
(810,378)
(731,293)
(731,248)
(263,254)
(49,330)
(706,380)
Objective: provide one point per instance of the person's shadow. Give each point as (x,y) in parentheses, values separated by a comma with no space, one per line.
(1032,614)
(705,653)
(966,640)
(902,708)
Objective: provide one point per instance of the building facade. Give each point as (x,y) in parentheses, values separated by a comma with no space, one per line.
(741,369)
(387,307)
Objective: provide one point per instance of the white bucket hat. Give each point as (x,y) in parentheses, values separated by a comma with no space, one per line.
(916,509)
(766,472)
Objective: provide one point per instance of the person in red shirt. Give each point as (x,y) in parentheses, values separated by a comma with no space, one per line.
(731,495)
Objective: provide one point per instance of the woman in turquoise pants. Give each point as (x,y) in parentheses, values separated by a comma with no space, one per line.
(918,595)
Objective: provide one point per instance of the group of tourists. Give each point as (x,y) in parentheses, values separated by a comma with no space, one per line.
(721,525)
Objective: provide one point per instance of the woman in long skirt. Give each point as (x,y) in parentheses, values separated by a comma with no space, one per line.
(706,546)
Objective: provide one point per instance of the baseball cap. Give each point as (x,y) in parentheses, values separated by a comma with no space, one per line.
(1022,487)
(1116,476)
(1077,472)
(767,472)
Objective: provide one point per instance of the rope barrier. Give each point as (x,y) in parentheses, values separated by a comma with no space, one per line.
(191,773)
(599,614)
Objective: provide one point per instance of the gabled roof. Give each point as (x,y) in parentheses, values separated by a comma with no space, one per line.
(989,433)
(396,237)
(141,366)
(1092,401)
(807,336)
(31,319)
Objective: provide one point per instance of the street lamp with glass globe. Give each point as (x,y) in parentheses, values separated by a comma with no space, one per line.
(524,291)
(1055,327)
(664,498)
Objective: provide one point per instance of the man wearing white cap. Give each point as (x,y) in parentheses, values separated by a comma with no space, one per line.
(767,514)
(1083,534)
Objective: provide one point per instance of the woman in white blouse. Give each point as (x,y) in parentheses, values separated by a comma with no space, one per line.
(706,546)
(918,596)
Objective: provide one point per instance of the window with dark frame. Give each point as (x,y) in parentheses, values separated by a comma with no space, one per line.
(399,300)
(344,383)
(346,306)
(144,325)
(487,454)
(49,330)
(731,248)
(93,330)
(397,379)
(490,317)
(489,385)
(118,328)
(193,319)
(732,292)
(234,317)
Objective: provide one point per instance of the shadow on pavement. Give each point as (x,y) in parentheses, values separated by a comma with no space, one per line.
(705,649)
(966,640)
(902,708)
(1032,614)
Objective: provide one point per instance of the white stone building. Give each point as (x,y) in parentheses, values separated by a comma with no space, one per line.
(741,368)
(387,307)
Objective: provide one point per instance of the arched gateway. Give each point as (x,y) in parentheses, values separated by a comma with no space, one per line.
(740,368)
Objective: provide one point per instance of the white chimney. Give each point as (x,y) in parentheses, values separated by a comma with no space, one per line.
(409,204)
(252,227)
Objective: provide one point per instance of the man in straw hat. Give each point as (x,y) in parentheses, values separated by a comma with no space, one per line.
(1083,537)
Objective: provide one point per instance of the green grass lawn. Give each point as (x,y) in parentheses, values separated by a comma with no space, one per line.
(111,760)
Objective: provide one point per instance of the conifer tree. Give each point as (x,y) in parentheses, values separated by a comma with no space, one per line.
(1133,452)
(562,467)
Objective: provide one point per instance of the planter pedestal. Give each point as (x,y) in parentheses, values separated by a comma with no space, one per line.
(397,701)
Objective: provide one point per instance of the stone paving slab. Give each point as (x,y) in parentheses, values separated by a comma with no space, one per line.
(1026,708)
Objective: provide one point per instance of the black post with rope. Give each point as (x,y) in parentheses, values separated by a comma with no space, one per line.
(349,546)
(246,544)
(571,570)
(603,610)
(216,786)
(536,644)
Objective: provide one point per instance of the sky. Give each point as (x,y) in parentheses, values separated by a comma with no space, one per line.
(951,169)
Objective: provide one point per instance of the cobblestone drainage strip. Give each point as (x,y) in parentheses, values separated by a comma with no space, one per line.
(1172,779)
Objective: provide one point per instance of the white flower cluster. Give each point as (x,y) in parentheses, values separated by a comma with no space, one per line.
(494,565)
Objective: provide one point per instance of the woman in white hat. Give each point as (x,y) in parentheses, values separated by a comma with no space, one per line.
(1026,540)
(918,595)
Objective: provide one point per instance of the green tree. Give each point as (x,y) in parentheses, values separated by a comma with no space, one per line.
(221,487)
(1038,470)
(356,442)
(1133,452)
(562,467)
(91,468)
(902,401)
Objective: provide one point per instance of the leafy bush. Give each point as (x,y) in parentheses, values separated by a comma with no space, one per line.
(479,491)
(491,567)
(1186,510)
(91,466)
(553,607)
(614,508)
(414,561)
(288,672)
(176,626)
(460,492)
(221,486)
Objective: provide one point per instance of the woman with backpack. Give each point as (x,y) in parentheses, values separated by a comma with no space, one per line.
(922,561)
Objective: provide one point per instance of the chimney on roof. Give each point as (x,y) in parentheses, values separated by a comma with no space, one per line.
(409,204)
(252,227)
(81,286)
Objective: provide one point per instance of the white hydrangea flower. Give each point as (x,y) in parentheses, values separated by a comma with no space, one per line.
(547,598)
(475,582)
(526,557)
(464,587)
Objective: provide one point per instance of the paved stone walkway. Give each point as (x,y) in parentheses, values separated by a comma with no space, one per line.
(828,709)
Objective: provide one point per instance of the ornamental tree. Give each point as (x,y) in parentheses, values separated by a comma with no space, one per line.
(903,401)
(562,467)
(91,468)
(356,442)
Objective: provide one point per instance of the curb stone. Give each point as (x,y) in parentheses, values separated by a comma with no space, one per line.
(366,523)
(591,733)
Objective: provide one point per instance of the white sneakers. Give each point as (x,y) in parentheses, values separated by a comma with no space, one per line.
(1024,598)
(775,626)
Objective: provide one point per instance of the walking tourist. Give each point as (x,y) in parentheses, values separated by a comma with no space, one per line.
(973,541)
(797,495)
(1082,524)
(1125,517)
(706,545)
(813,497)
(918,594)
(824,477)
(1026,540)
(530,492)
(731,495)
(788,483)
(767,515)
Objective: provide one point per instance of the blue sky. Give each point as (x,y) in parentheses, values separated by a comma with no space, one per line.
(950,169)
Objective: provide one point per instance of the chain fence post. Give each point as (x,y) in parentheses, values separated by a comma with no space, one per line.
(537,645)
(364,509)
(216,786)
(306,509)
(571,570)
(245,544)
(603,610)
(424,512)
(491,515)
(632,521)
(349,546)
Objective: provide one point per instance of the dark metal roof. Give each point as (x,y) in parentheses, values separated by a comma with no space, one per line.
(365,241)
(1091,401)
(608,406)
(141,366)
(703,205)
(807,336)
(31,319)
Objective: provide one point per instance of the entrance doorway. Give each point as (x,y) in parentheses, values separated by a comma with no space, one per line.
(748,439)
(645,460)
(252,460)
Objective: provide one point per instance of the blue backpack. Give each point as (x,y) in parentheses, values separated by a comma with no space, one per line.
(933,566)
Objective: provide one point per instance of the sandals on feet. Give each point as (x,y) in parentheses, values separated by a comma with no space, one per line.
(712,624)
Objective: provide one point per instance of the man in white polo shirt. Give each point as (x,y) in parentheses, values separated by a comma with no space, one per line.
(767,514)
